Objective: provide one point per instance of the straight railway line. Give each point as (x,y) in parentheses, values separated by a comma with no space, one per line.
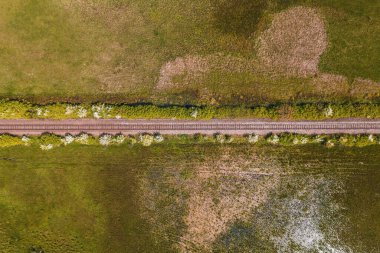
(244,126)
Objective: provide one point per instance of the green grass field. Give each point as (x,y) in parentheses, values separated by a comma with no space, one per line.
(114,50)
(72,200)
(135,199)
(181,195)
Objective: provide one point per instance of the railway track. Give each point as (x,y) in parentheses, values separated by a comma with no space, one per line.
(187,126)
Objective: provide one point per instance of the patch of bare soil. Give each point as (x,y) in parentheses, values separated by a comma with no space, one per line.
(294,42)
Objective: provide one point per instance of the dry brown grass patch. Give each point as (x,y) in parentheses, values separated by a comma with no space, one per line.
(222,192)
(193,65)
(365,88)
(101,11)
(294,42)
(114,66)
(196,66)
(330,84)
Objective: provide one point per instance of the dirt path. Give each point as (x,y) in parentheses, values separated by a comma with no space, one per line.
(163,126)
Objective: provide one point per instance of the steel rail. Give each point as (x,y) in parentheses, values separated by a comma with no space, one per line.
(187,126)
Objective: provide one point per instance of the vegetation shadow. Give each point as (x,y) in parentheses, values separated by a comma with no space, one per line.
(238,17)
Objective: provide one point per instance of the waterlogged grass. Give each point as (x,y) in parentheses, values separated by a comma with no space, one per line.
(113,50)
(135,199)
(329,202)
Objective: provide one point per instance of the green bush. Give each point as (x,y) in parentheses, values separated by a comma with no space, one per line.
(146,139)
(10,140)
(10,109)
(52,139)
(358,140)
(288,139)
(86,139)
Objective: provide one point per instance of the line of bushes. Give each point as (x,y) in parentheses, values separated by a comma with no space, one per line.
(18,109)
(49,141)
(292,139)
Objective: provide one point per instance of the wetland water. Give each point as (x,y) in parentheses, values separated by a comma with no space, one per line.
(190,197)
